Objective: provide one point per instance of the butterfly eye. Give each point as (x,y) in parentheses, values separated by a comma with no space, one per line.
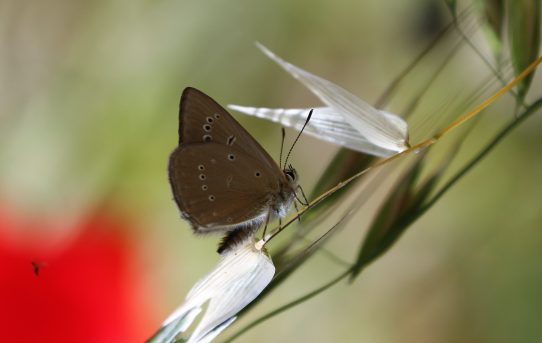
(231,157)
(210,120)
(257,174)
(207,138)
(290,174)
(217,115)
(207,127)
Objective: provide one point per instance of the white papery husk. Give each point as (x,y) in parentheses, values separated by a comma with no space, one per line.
(240,276)
(346,120)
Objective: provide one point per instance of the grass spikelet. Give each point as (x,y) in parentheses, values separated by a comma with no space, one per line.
(524,36)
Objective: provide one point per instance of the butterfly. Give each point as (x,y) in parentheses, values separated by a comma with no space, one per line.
(222,179)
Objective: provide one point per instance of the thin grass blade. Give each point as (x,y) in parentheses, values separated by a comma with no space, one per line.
(524,35)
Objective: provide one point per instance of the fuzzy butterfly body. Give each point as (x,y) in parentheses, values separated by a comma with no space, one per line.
(222,179)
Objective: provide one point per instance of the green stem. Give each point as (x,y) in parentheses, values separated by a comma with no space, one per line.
(488,148)
(289,305)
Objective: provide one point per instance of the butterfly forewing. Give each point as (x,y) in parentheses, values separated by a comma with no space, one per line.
(203,120)
(217,186)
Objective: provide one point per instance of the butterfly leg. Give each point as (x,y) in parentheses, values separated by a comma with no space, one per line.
(266,223)
(306,203)
(297,210)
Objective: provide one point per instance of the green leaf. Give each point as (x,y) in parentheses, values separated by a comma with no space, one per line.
(524,35)
(494,13)
(344,164)
(389,222)
(452,5)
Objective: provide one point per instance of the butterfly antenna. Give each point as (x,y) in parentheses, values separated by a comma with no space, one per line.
(299,135)
(282,146)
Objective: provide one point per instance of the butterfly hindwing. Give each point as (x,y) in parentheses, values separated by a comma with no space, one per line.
(218,187)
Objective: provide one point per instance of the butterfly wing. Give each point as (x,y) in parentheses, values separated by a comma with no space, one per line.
(220,187)
(203,120)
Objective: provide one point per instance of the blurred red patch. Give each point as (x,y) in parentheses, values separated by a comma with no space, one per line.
(85,291)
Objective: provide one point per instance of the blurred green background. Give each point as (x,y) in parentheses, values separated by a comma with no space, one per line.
(88,117)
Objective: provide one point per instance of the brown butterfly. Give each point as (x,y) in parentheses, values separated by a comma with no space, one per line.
(222,179)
